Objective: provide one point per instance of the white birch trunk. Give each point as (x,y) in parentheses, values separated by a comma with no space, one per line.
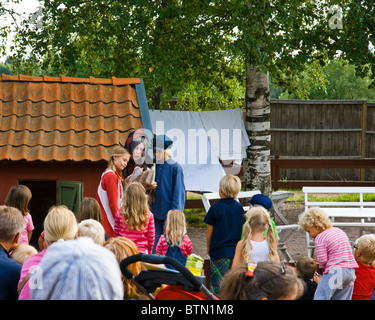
(257,166)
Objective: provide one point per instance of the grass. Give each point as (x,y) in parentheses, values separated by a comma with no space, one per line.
(194,217)
(349,197)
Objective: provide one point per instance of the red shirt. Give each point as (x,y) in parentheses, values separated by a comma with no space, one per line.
(364,284)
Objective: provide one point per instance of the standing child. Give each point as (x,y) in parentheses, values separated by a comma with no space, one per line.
(224,226)
(364,253)
(134,220)
(334,255)
(110,189)
(175,242)
(259,242)
(19,197)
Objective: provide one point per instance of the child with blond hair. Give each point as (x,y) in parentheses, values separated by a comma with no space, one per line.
(134,220)
(259,242)
(22,252)
(110,189)
(334,255)
(60,224)
(364,253)
(175,242)
(224,221)
(92,229)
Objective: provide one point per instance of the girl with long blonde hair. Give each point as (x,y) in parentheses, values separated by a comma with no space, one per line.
(259,242)
(175,242)
(110,189)
(134,220)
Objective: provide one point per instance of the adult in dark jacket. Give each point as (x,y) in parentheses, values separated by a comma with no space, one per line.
(11,225)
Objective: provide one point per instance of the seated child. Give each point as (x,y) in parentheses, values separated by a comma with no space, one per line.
(306,269)
(224,221)
(364,253)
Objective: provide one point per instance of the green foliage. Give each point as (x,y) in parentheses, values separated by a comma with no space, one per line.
(198,50)
(341,82)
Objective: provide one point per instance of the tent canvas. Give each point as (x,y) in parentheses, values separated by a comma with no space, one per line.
(200,139)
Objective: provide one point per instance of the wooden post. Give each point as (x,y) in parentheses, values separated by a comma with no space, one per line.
(362,148)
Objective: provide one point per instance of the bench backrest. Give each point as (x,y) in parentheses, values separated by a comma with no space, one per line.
(206,197)
(338,190)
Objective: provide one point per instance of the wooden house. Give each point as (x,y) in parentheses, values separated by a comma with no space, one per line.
(56,134)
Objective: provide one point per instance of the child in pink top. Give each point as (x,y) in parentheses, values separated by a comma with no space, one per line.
(134,220)
(334,255)
(175,242)
(19,197)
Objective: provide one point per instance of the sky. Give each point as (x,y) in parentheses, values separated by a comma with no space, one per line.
(24,8)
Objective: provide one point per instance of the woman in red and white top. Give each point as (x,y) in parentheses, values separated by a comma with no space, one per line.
(134,220)
(110,189)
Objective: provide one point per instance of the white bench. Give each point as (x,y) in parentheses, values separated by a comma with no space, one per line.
(360,211)
(278,198)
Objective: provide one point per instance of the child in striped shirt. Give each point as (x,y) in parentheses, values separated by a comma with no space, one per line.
(134,220)
(334,255)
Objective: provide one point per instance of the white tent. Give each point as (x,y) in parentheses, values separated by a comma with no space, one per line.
(200,139)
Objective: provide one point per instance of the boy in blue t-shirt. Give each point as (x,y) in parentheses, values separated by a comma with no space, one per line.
(224,226)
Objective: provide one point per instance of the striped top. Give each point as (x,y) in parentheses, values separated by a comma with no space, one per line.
(186,246)
(333,250)
(143,239)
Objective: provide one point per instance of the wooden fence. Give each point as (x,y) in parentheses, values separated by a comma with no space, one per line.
(318,129)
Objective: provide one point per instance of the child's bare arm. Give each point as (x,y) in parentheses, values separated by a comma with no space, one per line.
(210,228)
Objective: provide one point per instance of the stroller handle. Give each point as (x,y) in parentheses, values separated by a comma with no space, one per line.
(157,259)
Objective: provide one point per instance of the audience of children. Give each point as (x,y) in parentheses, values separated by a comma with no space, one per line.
(259,242)
(110,189)
(364,253)
(134,220)
(307,270)
(333,253)
(79,270)
(59,224)
(19,197)
(175,242)
(224,221)
(244,262)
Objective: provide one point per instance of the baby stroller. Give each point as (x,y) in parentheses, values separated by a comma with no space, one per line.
(181,283)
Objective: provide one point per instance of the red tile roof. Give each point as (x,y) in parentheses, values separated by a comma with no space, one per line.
(65,119)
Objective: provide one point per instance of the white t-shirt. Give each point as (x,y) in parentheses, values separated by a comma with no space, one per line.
(259,250)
